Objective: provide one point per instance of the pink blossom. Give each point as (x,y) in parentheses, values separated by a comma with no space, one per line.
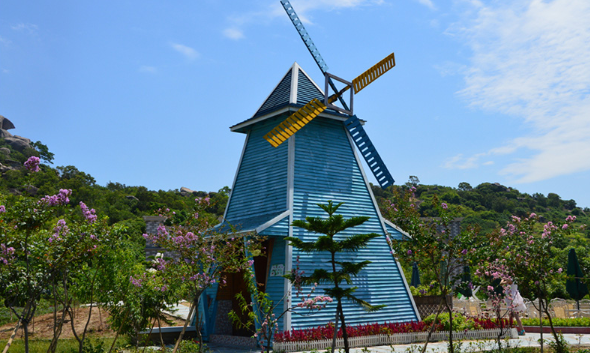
(2,209)
(32,164)
(90,215)
(444,206)
(565,226)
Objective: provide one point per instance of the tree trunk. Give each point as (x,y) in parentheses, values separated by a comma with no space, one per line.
(558,343)
(451,348)
(190,314)
(117,335)
(344,333)
(438,310)
(335,336)
(541,320)
(11,337)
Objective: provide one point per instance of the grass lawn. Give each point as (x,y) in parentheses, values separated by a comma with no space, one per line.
(64,345)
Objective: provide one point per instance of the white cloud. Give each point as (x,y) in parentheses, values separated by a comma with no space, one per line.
(29,27)
(530,60)
(461,162)
(5,41)
(233,33)
(148,69)
(427,3)
(188,52)
(302,7)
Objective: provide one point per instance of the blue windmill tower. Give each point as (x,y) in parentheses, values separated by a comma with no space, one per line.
(300,151)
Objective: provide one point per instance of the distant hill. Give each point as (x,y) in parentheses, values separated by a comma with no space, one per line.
(121,203)
(490,205)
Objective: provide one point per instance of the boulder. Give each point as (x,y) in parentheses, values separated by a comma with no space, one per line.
(18,143)
(4,133)
(186,191)
(4,150)
(14,191)
(32,190)
(4,168)
(5,123)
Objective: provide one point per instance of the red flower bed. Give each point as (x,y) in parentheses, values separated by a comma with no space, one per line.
(326,332)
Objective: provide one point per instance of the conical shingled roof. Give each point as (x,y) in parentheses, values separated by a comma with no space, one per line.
(295,89)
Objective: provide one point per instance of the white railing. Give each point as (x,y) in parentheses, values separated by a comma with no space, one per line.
(397,338)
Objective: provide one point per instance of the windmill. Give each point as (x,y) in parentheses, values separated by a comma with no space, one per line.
(304,115)
(297,154)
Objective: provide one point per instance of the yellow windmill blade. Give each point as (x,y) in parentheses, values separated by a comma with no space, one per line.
(294,122)
(364,79)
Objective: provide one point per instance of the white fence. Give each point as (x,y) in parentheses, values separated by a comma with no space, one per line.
(384,340)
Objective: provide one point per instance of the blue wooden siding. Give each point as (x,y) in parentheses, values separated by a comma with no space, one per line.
(260,190)
(279,229)
(325,169)
(275,286)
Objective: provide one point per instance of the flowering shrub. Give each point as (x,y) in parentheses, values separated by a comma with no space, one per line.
(432,245)
(327,332)
(525,251)
(51,248)
(261,310)
(202,256)
(32,164)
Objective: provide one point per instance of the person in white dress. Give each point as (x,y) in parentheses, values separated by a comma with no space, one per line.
(515,302)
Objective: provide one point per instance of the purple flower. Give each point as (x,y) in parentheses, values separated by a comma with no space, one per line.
(90,215)
(2,209)
(409,252)
(32,164)
(444,206)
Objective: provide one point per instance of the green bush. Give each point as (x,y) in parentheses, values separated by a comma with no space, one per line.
(460,322)
(577,322)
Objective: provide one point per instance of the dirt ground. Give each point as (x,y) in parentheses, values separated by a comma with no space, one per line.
(42,326)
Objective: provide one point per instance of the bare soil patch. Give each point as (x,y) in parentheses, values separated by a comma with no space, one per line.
(42,326)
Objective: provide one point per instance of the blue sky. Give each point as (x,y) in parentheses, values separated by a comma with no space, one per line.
(144,92)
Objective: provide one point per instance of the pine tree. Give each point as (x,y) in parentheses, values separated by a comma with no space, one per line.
(342,271)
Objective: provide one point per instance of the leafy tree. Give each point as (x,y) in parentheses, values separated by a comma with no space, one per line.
(342,271)
(45,244)
(525,250)
(202,257)
(433,245)
(43,151)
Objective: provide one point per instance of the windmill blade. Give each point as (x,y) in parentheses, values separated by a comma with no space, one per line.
(367,149)
(294,122)
(304,35)
(367,77)
(313,50)
(299,119)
